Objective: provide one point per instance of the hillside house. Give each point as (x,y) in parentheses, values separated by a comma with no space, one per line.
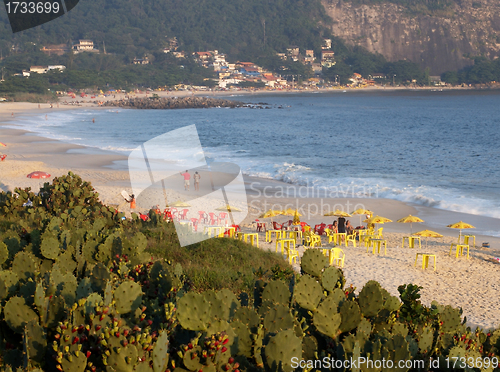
(327,44)
(327,58)
(38,69)
(84,46)
(57,50)
(141,61)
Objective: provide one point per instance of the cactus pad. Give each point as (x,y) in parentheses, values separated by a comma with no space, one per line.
(278,318)
(308,292)
(450,318)
(371,299)
(243,341)
(276,291)
(326,319)
(35,341)
(160,352)
(128,297)
(425,338)
(247,316)
(18,314)
(4,253)
(331,278)
(50,247)
(351,316)
(281,349)
(229,299)
(313,262)
(193,311)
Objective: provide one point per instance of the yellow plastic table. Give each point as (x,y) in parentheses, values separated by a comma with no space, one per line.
(285,242)
(337,237)
(467,238)
(294,235)
(411,241)
(269,234)
(218,230)
(252,237)
(425,260)
(377,244)
(460,249)
(232,231)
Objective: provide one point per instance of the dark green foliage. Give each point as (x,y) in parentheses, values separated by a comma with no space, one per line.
(127,315)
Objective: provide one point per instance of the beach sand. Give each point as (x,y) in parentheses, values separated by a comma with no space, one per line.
(468,283)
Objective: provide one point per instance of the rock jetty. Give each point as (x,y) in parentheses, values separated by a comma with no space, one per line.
(166,103)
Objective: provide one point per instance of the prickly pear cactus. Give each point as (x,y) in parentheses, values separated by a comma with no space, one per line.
(326,319)
(351,316)
(18,314)
(282,349)
(332,278)
(308,292)
(371,299)
(313,262)
(128,297)
(276,291)
(278,318)
(193,312)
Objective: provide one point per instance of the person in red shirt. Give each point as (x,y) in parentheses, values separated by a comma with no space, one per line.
(187,177)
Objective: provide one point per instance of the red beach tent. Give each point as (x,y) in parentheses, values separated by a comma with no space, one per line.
(38,174)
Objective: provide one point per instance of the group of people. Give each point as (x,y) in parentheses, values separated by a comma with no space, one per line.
(342,226)
(187,178)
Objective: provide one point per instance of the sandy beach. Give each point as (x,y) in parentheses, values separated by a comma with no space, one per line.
(472,284)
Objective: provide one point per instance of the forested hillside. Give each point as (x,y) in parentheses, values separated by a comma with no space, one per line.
(240,28)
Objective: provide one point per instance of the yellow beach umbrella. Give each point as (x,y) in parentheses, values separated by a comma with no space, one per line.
(291,212)
(377,220)
(228,208)
(270,213)
(338,213)
(410,219)
(428,234)
(362,211)
(460,225)
(180,204)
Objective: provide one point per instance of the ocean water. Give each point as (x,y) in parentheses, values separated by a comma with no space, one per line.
(437,149)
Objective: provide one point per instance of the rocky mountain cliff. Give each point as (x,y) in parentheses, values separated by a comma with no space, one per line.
(440,42)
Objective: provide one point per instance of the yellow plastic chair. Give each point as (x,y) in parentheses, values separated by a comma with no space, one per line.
(293,255)
(312,240)
(378,234)
(337,256)
(331,236)
(351,238)
(307,228)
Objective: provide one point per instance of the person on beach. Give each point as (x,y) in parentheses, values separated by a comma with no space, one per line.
(335,227)
(132,201)
(187,177)
(196,178)
(341,224)
(349,228)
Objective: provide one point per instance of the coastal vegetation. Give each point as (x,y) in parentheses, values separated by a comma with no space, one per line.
(83,289)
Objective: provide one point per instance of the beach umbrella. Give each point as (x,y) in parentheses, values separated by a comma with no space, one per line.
(228,208)
(410,219)
(460,225)
(377,220)
(180,204)
(2,144)
(38,174)
(361,211)
(270,213)
(338,213)
(428,234)
(291,212)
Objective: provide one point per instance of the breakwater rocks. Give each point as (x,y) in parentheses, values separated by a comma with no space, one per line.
(166,103)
